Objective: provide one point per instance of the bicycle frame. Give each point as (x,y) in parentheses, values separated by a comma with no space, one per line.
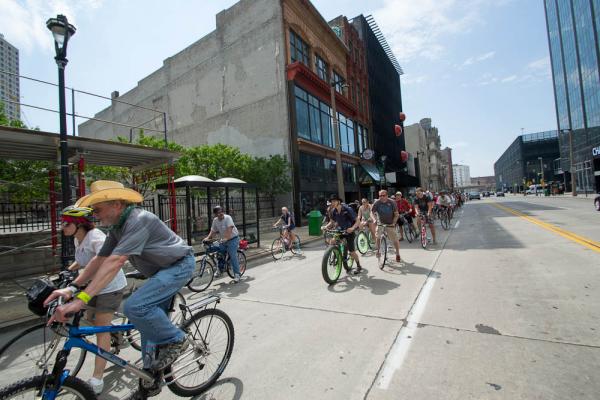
(77,339)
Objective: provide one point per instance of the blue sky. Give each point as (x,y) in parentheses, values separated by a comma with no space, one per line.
(479,68)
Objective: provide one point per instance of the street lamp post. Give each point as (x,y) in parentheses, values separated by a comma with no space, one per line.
(542,180)
(62,32)
(571,166)
(336,136)
(382,158)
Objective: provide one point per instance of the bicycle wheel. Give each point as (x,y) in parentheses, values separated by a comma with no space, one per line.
(383,250)
(26,353)
(423,236)
(194,372)
(242,263)
(296,245)
(362,242)
(331,266)
(71,388)
(408,233)
(277,249)
(372,242)
(203,275)
(445,221)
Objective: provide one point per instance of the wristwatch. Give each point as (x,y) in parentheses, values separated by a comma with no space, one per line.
(74,288)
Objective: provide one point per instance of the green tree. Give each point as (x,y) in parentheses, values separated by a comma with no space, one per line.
(271,175)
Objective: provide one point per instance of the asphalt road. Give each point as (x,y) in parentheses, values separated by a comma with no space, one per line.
(503,307)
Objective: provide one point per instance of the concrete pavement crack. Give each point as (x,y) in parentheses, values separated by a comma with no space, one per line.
(315,309)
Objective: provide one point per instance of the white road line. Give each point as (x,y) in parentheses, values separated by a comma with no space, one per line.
(395,359)
(457,224)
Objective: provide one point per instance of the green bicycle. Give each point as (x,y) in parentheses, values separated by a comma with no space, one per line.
(336,256)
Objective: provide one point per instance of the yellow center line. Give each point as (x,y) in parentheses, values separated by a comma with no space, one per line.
(590,244)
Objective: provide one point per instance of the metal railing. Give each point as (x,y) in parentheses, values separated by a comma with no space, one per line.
(25,217)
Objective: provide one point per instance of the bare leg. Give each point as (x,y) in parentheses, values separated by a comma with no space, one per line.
(103,341)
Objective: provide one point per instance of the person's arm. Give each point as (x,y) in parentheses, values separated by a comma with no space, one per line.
(429,207)
(279,221)
(74,267)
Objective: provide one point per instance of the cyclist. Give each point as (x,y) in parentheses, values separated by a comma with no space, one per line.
(288,224)
(443,201)
(345,218)
(424,206)
(77,222)
(387,214)
(223,225)
(154,250)
(366,217)
(404,209)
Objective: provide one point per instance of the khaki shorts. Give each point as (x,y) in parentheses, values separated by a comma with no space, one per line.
(391,232)
(105,303)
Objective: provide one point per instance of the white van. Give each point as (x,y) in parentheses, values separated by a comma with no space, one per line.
(533,189)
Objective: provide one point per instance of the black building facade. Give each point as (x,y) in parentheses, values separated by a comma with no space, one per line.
(520,165)
(385,100)
(573,28)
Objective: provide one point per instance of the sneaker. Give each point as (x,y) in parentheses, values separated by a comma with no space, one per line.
(358,270)
(397,258)
(236,279)
(217,273)
(168,353)
(96,384)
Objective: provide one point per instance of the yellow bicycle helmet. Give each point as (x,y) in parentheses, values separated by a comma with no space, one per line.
(77,215)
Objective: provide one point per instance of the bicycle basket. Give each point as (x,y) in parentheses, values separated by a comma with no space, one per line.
(37,293)
(243,244)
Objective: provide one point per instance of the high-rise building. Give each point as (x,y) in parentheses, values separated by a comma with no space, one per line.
(9,79)
(461,175)
(573,34)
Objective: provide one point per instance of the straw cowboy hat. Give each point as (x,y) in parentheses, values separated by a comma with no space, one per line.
(107,191)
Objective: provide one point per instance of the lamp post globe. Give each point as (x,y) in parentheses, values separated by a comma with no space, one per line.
(62,32)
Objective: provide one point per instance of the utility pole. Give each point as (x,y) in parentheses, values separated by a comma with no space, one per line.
(573,172)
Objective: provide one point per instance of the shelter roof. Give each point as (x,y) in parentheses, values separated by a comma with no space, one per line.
(27,144)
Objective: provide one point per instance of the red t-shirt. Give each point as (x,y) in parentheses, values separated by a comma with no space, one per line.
(403,205)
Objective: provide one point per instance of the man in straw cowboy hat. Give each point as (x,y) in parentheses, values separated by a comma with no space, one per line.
(154,249)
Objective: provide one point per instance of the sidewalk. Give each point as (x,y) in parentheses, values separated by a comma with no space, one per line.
(13,305)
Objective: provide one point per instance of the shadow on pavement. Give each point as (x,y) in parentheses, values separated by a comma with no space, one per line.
(363,280)
(225,389)
(406,268)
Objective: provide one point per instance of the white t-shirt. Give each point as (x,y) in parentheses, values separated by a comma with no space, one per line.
(221,226)
(88,248)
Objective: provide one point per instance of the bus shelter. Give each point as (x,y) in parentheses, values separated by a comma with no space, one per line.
(197,195)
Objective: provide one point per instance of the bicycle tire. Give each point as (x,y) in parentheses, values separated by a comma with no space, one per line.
(296,245)
(407,232)
(242,263)
(26,351)
(383,250)
(362,242)
(332,262)
(445,222)
(277,249)
(372,242)
(203,275)
(423,235)
(71,384)
(175,315)
(198,328)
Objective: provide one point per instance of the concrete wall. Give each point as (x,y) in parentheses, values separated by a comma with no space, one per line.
(228,87)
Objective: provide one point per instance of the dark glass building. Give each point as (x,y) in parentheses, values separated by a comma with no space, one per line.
(520,165)
(385,100)
(573,37)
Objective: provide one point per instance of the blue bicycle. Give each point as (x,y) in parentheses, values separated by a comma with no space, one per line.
(209,332)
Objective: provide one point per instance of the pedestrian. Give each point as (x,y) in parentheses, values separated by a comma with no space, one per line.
(223,226)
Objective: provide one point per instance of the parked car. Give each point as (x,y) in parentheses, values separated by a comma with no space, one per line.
(474,195)
(486,194)
(597,202)
(499,194)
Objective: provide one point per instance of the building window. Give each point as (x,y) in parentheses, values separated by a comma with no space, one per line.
(322,68)
(313,118)
(346,134)
(298,48)
(362,136)
(339,81)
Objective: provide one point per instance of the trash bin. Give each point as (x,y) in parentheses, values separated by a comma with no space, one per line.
(314,223)
(546,192)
